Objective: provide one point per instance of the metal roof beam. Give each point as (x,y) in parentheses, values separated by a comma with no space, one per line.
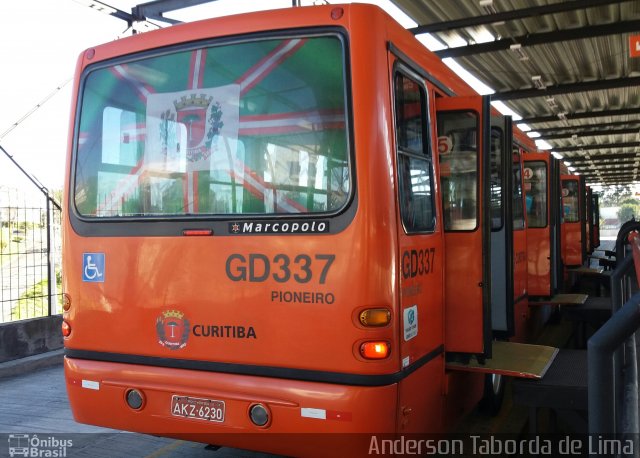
(601,157)
(585,128)
(511,15)
(533,39)
(603,146)
(584,169)
(610,169)
(583,86)
(610,173)
(587,169)
(592,133)
(102,7)
(612,177)
(586,115)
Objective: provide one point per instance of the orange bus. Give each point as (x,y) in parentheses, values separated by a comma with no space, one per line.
(285,223)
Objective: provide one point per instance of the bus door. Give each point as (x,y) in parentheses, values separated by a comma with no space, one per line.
(572,226)
(464,133)
(420,256)
(541,186)
(501,186)
(475,174)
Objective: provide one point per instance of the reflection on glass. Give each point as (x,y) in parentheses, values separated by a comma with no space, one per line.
(570,209)
(535,186)
(202,132)
(414,164)
(496,178)
(457,145)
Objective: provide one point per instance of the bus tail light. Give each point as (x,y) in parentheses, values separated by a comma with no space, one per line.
(66,329)
(375,350)
(374,318)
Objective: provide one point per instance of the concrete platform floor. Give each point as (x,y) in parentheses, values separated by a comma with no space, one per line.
(36,404)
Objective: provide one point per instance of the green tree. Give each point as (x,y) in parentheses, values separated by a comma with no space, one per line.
(628,210)
(612,196)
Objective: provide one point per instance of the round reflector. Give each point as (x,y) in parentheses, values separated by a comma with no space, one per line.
(259,415)
(135,399)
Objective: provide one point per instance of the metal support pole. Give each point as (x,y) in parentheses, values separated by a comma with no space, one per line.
(629,418)
(50,278)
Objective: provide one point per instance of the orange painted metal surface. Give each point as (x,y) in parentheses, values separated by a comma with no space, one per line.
(294,406)
(464,311)
(538,238)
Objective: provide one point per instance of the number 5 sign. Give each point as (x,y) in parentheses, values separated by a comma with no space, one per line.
(445,145)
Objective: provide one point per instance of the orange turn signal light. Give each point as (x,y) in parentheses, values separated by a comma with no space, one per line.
(375,350)
(66,302)
(375,318)
(66,329)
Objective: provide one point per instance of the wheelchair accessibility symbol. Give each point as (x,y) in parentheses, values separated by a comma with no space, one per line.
(93,267)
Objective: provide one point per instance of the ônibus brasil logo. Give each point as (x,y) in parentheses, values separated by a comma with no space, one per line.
(173,329)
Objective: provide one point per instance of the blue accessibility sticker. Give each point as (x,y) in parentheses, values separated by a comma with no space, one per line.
(93,267)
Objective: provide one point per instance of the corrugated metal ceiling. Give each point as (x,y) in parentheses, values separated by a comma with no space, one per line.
(562,62)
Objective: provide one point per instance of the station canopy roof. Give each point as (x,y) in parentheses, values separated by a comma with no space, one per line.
(567,67)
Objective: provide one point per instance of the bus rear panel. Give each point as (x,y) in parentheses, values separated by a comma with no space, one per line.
(234,254)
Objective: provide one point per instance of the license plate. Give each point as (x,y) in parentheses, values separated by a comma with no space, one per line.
(198,408)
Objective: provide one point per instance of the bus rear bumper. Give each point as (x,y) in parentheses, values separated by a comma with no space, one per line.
(98,395)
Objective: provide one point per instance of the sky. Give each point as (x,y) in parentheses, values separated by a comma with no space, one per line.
(40,41)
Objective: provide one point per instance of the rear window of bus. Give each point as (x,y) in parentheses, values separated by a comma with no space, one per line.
(253,127)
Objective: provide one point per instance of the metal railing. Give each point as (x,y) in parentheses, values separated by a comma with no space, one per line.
(612,364)
(30,252)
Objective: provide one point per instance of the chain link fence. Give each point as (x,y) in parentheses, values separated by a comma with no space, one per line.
(30,255)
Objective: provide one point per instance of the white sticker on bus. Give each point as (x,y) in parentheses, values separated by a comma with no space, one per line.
(410,322)
(307,412)
(90,384)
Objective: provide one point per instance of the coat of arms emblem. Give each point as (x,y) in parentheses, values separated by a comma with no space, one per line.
(172,329)
(203,120)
